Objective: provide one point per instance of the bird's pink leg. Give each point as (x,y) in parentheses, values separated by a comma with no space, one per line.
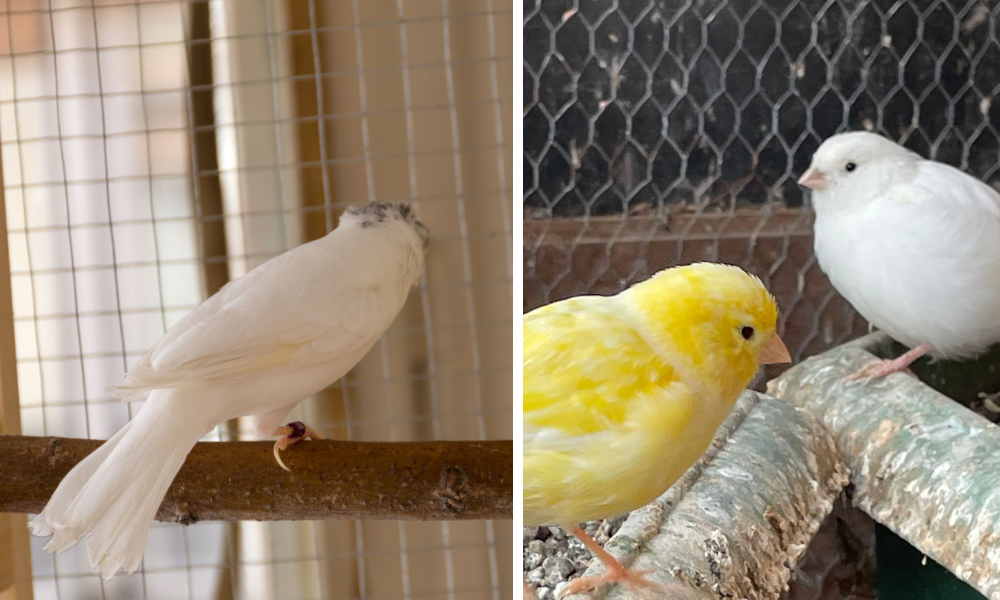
(887,367)
(614,572)
(290,434)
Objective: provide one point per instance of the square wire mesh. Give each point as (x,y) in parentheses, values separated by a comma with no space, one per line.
(153,150)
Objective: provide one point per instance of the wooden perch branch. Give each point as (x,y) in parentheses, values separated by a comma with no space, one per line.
(236,481)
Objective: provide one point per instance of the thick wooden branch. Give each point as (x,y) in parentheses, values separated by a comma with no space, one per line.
(236,481)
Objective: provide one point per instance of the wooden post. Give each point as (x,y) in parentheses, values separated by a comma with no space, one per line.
(15,551)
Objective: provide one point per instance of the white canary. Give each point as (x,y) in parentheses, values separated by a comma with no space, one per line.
(912,244)
(282,332)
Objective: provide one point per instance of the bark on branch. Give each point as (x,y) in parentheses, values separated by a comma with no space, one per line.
(235,481)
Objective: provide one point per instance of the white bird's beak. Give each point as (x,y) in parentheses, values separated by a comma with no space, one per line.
(774,352)
(813,179)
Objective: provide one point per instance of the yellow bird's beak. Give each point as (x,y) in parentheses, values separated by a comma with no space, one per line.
(813,179)
(774,352)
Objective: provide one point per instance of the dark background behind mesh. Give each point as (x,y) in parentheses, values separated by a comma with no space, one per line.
(636,102)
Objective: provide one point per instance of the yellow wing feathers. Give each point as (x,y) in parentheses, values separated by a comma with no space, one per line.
(623,393)
(584,365)
(595,392)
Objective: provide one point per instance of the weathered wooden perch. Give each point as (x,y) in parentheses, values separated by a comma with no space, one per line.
(740,519)
(921,464)
(236,481)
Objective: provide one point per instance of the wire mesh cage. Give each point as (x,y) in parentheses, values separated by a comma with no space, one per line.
(660,133)
(154,150)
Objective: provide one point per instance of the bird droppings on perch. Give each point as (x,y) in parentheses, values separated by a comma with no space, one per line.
(840,561)
(235,481)
(987,405)
(777,549)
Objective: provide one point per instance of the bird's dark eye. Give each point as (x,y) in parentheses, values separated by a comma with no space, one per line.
(850,167)
(746,332)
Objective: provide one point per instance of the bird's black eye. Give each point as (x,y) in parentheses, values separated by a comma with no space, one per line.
(850,167)
(746,332)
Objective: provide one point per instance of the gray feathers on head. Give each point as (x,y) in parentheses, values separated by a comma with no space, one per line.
(375,212)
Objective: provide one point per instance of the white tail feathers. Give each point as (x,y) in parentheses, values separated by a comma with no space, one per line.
(115,492)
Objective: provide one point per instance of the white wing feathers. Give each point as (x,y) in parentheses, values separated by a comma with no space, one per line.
(951,188)
(256,323)
(949,218)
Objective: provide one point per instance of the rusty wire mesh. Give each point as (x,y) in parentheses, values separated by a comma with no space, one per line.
(659,133)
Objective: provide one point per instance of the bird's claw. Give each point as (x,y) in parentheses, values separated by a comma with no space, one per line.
(633,580)
(614,572)
(291,433)
(877,369)
(881,368)
(277,457)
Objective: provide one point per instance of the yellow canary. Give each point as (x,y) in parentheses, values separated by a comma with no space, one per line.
(623,393)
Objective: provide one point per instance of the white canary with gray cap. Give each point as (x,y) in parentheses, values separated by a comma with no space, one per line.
(264,342)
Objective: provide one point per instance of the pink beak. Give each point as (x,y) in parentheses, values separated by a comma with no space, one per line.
(813,179)
(774,352)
